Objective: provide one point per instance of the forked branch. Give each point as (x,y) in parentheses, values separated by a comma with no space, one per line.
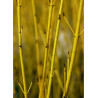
(20,45)
(74,46)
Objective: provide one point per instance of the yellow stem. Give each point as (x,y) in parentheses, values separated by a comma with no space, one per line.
(59,80)
(74,46)
(21,87)
(43,39)
(47,40)
(29,87)
(54,50)
(51,27)
(69,25)
(56,72)
(20,46)
(39,67)
(36,36)
(41,33)
(65,75)
(81,32)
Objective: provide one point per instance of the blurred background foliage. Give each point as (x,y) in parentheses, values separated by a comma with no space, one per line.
(65,44)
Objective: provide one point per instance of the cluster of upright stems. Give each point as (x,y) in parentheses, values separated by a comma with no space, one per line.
(68,69)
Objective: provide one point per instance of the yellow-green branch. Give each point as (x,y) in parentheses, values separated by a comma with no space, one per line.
(81,32)
(51,28)
(54,50)
(74,46)
(59,80)
(20,45)
(36,36)
(29,87)
(41,33)
(56,72)
(66,72)
(47,40)
(68,24)
(21,87)
(39,67)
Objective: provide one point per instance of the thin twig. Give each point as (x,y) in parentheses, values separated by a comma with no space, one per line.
(81,32)
(68,24)
(29,87)
(21,87)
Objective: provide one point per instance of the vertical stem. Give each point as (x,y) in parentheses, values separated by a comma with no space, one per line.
(51,28)
(47,40)
(68,24)
(74,45)
(39,67)
(74,10)
(59,80)
(54,50)
(20,46)
(58,84)
(36,36)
